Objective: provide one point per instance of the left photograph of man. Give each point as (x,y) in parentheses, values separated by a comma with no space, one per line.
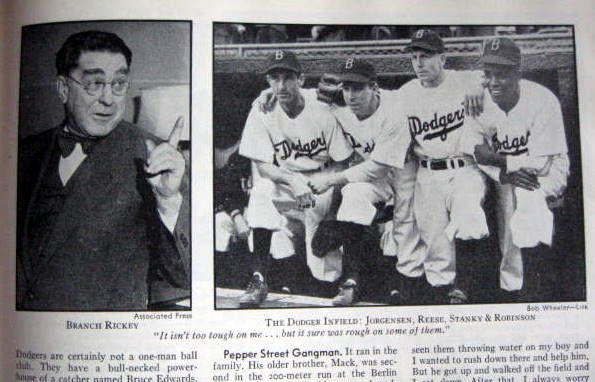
(103,210)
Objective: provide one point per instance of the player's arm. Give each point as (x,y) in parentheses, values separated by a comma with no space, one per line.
(494,164)
(391,151)
(548,157)
(296,181)
(367,171)
(474,91)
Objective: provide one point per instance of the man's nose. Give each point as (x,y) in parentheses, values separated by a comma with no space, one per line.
(282,84)
(106,96)
(492,80)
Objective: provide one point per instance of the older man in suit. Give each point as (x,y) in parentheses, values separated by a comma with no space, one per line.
(100,206)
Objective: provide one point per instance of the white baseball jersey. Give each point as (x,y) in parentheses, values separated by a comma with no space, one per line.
(530,135)
(365,134)
(447,202)
(359,199)
(304,143)
(436,116)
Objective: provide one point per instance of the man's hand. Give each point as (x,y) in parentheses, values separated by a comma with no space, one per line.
(329,90)
(522,178)
(303,193)
(320,183)
(165,164)
(241,229)
(266,101)
(474,102)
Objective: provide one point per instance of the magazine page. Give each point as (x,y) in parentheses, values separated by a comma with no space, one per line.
(265,191)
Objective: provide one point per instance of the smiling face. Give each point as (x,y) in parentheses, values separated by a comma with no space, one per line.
(94,115)
(360,98)
(503,82)
(428,66)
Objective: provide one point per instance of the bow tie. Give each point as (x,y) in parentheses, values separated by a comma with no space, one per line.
(67,141)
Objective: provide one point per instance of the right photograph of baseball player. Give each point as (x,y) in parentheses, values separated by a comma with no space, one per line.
(374,165)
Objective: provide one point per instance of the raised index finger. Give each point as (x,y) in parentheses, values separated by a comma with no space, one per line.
(176,132)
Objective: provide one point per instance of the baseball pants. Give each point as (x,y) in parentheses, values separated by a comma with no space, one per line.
(273,207)
(448,205)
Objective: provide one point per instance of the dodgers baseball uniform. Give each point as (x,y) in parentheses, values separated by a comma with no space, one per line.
(401,236)
(531,135)
(306,145)
(450,188)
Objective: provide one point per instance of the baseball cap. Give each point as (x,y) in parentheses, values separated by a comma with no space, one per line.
(357,70)
(426,39)
(283,59)
(500,51)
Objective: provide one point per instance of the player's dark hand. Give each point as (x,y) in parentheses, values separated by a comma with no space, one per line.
(522,178)
(266,101)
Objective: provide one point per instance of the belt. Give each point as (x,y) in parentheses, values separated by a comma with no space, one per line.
(442,164)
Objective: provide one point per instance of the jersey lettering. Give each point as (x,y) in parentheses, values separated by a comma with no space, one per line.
(350,138)
(286,148)
(496,44)
(419,33)
(368,147)
(437,126)
(511,146)
(278,55)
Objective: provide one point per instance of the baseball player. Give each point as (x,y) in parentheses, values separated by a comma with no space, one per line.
(368,119)
(527,157)
(450,188)
(286,146)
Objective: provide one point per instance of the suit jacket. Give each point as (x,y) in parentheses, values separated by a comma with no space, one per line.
(107,236)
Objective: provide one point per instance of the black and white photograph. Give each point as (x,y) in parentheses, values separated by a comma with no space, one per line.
(375,165)
(103,216)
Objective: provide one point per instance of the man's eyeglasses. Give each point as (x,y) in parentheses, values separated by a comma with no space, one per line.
(96,87)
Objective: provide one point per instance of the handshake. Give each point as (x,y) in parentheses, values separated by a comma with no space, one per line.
(305,188)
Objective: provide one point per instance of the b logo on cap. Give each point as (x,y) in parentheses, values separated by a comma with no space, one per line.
(419,33)
(279,55)
(495,44)
(349,63)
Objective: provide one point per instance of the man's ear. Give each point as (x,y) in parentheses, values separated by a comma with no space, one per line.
(443,58)
(62,89)
(301,80)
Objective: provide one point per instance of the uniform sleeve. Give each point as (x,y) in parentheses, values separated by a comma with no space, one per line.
(547,137)
(477,131)
(554,183)
(338,147)
(256,143)
(367,171)
(547,131)
(393,145)
(395,139)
